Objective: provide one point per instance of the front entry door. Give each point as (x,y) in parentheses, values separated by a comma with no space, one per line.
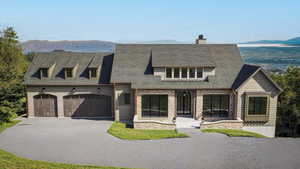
(184,103)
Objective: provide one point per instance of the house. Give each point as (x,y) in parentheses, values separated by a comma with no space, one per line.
(152,85)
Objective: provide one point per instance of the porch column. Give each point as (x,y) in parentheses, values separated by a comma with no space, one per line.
(199,104)
(60,105)
(30,105)
(239,105)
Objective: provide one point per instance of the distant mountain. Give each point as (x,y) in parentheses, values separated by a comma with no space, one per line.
(293,41)
(269,57)
(76,46)
(162,42)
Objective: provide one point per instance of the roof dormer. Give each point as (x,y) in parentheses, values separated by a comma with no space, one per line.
(93,72)
(45,71)
(94,67)
(70,71)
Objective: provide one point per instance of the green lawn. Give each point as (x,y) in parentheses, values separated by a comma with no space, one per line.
(119,130)
(10,161)
(234,133)
(4,126)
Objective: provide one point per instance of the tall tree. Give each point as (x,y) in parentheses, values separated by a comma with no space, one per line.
(12,67)
(13,63)
(288,123)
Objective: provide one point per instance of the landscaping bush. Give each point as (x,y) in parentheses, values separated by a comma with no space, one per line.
(12,102)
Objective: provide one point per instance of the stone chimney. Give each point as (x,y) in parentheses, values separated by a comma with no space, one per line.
(201,40)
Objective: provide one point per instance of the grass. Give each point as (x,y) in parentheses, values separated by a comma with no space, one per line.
(119,130)
(10,161)
(6,125)
(234,133)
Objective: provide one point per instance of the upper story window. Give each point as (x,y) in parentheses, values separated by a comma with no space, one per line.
(44,73)
(199,72)
(68,72)
(192,73)
(169,72)
(176,72)
(184,73)
(93,73)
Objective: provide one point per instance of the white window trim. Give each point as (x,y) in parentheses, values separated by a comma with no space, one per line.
(172,73)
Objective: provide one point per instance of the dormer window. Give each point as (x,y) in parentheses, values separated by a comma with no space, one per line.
(176,72)
(44,73)
(199,72)
(68,72)
(46,70)
(93,73)
(192,73)
(184,73)
(169,72)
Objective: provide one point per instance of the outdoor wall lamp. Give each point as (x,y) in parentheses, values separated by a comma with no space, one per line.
(43,90)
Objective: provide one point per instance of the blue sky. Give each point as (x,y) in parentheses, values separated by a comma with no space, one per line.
(228,21)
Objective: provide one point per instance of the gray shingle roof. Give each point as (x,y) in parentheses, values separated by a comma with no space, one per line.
(249,70)
(95,62)
(69,59)
(246,71)
(132,63)
(182,55)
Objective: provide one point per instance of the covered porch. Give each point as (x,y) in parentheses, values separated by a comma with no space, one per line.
(183,108)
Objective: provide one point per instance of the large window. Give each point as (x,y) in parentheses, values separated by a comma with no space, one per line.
(155,105)
(215,105)
(257,105)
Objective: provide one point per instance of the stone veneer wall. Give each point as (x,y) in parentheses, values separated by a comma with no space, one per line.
(258,83)
(123,112)
(154,126)
(223,124)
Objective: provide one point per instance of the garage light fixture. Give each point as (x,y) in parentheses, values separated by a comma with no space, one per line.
(43,90)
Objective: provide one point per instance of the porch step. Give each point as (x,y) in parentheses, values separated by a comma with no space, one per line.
(187,122)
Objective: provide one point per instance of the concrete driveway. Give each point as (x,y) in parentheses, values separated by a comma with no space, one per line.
(86,142)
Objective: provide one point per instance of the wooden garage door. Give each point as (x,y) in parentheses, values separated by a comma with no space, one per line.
(87,105)
(45,105)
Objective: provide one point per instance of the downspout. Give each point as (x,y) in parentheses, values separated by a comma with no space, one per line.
(114,101)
